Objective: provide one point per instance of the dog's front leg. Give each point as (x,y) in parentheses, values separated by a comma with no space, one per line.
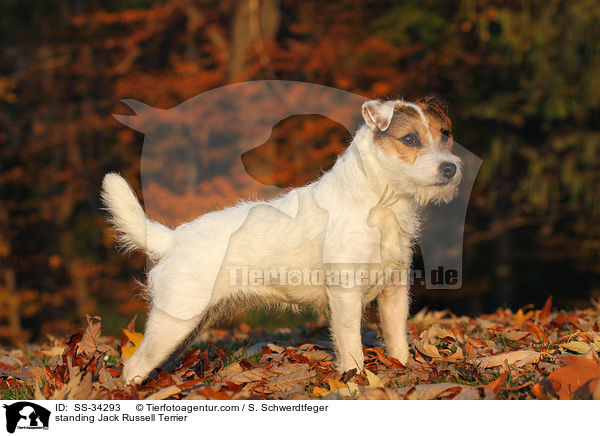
(345,307)
(164,333)
(393,312)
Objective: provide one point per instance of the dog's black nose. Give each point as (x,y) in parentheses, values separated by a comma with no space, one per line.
(448,169)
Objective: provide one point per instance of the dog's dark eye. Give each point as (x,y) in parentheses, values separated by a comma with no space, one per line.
(445,135)
(410,140)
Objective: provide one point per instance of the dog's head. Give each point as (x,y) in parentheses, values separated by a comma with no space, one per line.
(412,146)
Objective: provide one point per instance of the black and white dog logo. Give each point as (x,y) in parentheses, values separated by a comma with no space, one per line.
(26,415)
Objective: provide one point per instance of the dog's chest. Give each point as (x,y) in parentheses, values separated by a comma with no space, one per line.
(397,229)
(395,251)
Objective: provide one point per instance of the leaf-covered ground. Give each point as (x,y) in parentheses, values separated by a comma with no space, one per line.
(524,355)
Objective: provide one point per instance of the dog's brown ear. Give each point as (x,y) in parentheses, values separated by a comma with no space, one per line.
(378,114)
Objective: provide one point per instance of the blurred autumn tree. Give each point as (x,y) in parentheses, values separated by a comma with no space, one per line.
(521,78)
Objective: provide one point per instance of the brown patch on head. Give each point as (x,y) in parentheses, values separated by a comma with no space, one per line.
(434,103)
(406,121)
(436,110)
(408,135)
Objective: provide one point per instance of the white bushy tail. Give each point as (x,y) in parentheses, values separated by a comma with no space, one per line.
(135,230)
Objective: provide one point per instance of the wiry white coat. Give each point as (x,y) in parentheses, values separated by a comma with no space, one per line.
(362,211)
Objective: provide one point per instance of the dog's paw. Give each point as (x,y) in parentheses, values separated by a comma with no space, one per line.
(133,372)
(401,355)
(349,364)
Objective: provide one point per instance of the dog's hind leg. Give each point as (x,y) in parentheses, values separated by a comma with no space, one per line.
(164,335)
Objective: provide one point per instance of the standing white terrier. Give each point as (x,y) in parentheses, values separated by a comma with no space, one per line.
(363,212)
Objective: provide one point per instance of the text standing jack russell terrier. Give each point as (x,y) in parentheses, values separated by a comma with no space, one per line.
(398,161)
